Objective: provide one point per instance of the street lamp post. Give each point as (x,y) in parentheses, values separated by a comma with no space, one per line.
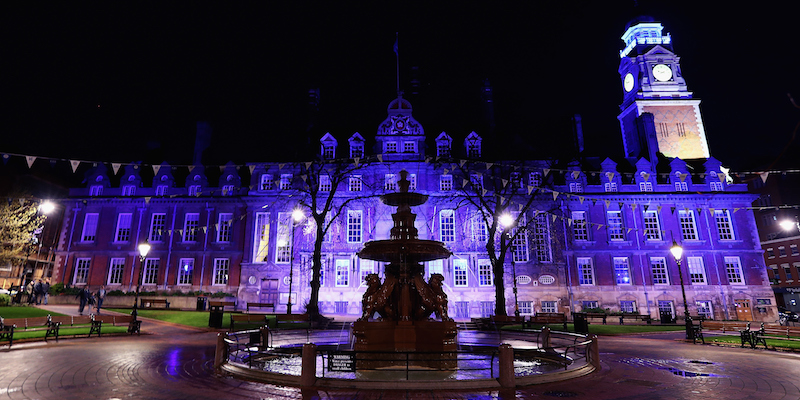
(144,248)
(677,252)
(297,217)
(507,221)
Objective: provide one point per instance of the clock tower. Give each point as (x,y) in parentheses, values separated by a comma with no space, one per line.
(658,113)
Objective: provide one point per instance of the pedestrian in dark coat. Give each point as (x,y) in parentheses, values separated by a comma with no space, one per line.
(83,296)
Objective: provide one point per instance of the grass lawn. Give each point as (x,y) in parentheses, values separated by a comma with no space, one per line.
(197,319)
(790,344)
(67,331)
(610,329)
(25,312)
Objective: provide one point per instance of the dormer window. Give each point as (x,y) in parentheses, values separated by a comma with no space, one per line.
(286,181)
(328,152)
(266,182)
(575,187)
(194,190)
(328,147)
(390,147)
(473,145)
(443,150)
(535,179)
(96,190)
(610,186)
(357,151)
(227,190)
(129,190)
(716,186)
(646,186)
(409,147)
(161,190)
(473,151)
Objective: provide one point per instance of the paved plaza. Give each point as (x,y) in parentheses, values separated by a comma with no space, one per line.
(173,362)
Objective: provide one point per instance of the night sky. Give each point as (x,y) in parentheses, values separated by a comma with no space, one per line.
(124,81)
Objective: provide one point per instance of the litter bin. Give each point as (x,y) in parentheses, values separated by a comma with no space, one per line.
(201,304)
(666,317)
(215,317)
(581,323)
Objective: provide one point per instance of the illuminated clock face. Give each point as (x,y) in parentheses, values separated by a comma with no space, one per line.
(662,72)
(627,82)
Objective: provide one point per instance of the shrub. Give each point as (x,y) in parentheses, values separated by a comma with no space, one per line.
(221,295)
(5,300)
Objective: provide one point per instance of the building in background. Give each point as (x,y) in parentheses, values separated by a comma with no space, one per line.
(595,233)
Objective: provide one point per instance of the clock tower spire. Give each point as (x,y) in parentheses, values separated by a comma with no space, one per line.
(658,112)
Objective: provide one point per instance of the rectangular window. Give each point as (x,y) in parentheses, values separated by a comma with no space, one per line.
(580,230)
(390,147)
(328,152)
(658,267)
(409,147)
(342,273)
(266,182)
(549,307)
(770,252)
(585,271)
(224,231)
(485,273)
(733,268)
(460,278)
(479,230)
(487,309)
(357,151)
(286,181)
(515,181)
(697,272)
(541,237)
(340,307)
(610,186)
(793,247)
(781,251)
(185,270)
(354,226)
(157,224)
(681,186)
(447,226)
(367,267)
(128,190)
(519,247)
(150,274)
(646,186)
(96,190)
(283,250)
(435,267)
(627,306)
(575,187)
(194,190)
(191,225)
(443,150)
(473,151)
(161,190)
(724,224)
(526,307)
(665,307)
(704,309)
(82,270)
(615,230)
(461,309)
(123,233)
(221,270)
(389,182)
(622,270)
(476,181)
(354,183)
(115,269)
(446,183)
(535,179)
(787,270)
(261,237)
(90,227)
(227,190)
(716,186)
(412,182)
(324,183)
(652,227)
(587,304)
(688,227)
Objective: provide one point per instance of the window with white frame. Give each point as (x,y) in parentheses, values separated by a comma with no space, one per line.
(733,268)
(576,187)
(587,304)
(328,151)
(356,150)
(724,224)
(115,270)
(123,233)
(158,223)
(354,226)
(704,308)
(627,306)
(194,190)
(443,149)
(409,147)
(610,186)
(645,186)
(787,270)
(622,270)
(688,227)
(89,233)
(161,190)
(770,252)
(322,273)
(716,186)
(585,271)
(615,229)
(446,183)
(541,238)
(658,267)
(580,229)
(519,247)
(150,274)
(435,267)
(389,182)
(342,273)
(412,182)
(367,267)
(525,307)
(460,273)
(354,183)
(390,147)
(228,190)
(96,190)
(224,229)
(549,306)
(697,272)
(535,179)
(324,183)
(652,227)
(794,250)
(283,247)
(479,231)
(222,268)
(185,271)
(447,226)
(261,237)
(286,181)
(128,190)
(485,273)
(266,182)
(681,186)
(81,270)
(191,224)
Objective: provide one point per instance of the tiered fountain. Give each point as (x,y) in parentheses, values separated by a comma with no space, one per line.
(404,302)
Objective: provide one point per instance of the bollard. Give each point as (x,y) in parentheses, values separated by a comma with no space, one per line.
(220,353)
(594,350)
(308,373)
(546,337)
(506,365)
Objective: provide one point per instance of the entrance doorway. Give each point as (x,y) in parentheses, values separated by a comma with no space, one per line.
(743,312)
(269,291)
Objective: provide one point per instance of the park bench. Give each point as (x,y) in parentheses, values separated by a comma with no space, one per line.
(222,304)
(51,325)
(261,305)
(641,317)
(602,316)
(499,321)
(724,326)
(247,319)
(292,321)
(153,303)
(543,318)
(785,332)
(753,338)
(7,331)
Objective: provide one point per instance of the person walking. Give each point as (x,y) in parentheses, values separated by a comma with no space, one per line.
(99,297)
(38,292)
(29,290)
(83,296)
(46,289)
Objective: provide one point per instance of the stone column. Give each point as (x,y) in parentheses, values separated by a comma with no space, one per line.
(546,338)
(506,365)
(594,350)
(220,354)
(308,373)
